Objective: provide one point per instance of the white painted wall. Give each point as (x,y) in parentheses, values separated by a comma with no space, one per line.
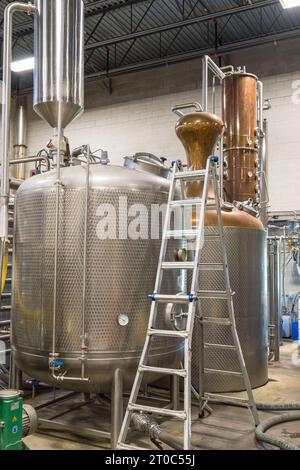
(145,123)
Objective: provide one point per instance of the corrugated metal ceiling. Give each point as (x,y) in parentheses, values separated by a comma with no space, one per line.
(122,34)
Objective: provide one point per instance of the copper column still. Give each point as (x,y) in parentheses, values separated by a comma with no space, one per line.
(239,106)
(245,240)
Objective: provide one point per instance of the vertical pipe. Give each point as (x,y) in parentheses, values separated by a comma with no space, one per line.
(6,108)
(274,288)
(20,144)
(262,155)
(204,83)
(116,407)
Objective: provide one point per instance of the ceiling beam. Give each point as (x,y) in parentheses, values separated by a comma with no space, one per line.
(180,24)
(222,50)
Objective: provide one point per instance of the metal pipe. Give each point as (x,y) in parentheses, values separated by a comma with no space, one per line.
(274,297)
(178,107)
(116,407)
(20,145)
(204,83)
(6,108)
(31,160)
(262,190)
(86,220)
(209,64)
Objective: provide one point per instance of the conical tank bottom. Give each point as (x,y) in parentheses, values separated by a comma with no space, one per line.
(48,110)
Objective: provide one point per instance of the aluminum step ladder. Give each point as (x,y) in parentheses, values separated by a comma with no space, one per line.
(207,176)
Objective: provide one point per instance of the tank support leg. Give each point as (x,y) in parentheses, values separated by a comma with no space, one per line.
(86,396)
(116,407)
(175,392)
(15,375)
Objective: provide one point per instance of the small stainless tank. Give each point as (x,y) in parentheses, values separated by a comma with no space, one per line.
(59,60)
(120,275)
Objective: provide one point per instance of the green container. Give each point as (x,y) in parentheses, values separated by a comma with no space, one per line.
(11,410)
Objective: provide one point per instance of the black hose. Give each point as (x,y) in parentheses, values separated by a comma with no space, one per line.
(165,437)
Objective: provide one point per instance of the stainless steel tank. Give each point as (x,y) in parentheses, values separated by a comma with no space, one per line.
(59,60)
(120,275)
(246,250)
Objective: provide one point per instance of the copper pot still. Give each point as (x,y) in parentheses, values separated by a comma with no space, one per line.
(245,237)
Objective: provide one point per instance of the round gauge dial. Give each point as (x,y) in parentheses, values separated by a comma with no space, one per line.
(123,319)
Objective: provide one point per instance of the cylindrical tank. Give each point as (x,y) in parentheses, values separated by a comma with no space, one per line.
(59,60)
(239,106)
(246,250)
(121,272)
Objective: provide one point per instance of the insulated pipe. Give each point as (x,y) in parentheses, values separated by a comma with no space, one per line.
(6,108)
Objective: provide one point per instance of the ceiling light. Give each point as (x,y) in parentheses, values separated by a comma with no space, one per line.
(290,3)
(23,65)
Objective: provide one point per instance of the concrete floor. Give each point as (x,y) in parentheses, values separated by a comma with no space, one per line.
(227,428)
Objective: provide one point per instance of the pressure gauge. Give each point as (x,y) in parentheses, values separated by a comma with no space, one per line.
(123,319)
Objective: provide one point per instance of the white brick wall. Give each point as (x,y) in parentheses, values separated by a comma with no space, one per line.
(146,124)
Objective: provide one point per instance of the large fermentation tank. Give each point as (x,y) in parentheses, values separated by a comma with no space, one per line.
(59,60)
(245,242)
(120,275)
(239,104)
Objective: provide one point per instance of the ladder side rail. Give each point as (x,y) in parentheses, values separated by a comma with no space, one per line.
(192,312)
(139,375)
(165,229)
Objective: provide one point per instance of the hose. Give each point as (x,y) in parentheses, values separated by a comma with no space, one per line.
(283,444)
(147,425)
(260,432)
(261,429)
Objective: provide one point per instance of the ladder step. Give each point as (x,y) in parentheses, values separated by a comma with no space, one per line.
(158,411)
(6,295)
(186,202)
(5,308)
(211,267)
(211,207)
(217,321)
(178,265)
(167,333)
(223,372)
(121,446)
(192,233)
(226,399)
(212,294)
(175,299)
(191,175)
(220,346)
(161,370)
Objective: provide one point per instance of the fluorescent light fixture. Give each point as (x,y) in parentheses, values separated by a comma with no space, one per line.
(290,3)
(23,65)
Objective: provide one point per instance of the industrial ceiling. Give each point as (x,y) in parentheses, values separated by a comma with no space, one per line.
(121,36)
